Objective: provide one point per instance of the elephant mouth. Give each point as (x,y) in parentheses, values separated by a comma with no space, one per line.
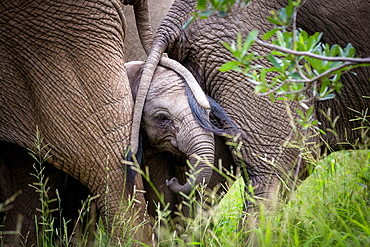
(165,146)
(178,157)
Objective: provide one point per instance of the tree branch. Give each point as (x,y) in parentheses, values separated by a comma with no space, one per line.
(309,82)
(309,54)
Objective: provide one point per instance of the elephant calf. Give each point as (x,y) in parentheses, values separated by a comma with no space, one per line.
(172,131)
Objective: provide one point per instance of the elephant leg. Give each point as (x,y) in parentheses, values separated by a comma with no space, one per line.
(16,167)
(274,187)
(228,170)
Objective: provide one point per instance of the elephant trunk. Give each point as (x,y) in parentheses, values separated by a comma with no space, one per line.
(143,24)
(200,152)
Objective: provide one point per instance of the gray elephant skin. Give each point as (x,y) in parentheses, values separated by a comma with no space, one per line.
(62,72)
(266,126)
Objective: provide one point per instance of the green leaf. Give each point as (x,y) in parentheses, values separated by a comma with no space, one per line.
(301,114)
(201,4)
(321,131)
(263,74)
(282,98)
(222,13)
(314,122)
(205,14)
(289,10)
(227,46)
(349,51)
(260,88)
(274,62)
(250,39)
(324,86)
(310,111)
(272,98)
(329,96)
(195,15)
(335,50)
(277,53)
(274,20)
(239,41)
(283,15)
(229,65)
(270,33)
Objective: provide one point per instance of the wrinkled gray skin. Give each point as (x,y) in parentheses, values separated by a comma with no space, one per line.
(158,10)
(62,71)
(266,126)
(170,130)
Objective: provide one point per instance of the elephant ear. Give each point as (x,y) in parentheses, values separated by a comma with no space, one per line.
(133,71)
(197,91)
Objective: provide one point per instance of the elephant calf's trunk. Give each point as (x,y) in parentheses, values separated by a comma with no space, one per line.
(201,173)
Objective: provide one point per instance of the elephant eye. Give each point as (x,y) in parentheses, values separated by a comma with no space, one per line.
(163,119)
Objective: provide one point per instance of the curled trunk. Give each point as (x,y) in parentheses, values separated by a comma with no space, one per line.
(198,145)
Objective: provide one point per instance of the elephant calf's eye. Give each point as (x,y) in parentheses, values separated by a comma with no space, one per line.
(163,120)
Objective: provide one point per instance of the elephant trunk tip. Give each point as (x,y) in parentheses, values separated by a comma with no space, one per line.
(176,187)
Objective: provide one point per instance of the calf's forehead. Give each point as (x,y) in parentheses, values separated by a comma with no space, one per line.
(166,83)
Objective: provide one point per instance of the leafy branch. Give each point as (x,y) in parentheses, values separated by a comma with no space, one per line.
(206,8)
(303,69)
(301,64)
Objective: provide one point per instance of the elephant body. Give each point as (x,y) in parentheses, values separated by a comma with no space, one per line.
(62,74)
(342,24)
(271,166)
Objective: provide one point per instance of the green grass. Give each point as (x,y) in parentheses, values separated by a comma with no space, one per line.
(330,208)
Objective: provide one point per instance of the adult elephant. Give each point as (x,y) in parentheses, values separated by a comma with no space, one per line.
(265,127)
(62,73)
(157,10)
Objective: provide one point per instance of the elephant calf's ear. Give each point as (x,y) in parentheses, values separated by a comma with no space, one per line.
(134,70)
(139,155)
(218,116)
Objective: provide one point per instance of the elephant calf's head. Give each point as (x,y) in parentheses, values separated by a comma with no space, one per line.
(170,124)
